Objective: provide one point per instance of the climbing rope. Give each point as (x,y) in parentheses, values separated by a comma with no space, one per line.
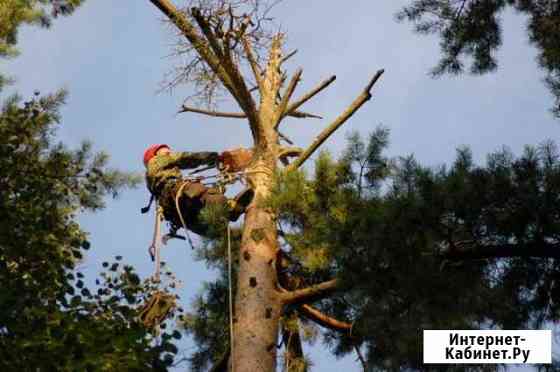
(178,207)
(230,297)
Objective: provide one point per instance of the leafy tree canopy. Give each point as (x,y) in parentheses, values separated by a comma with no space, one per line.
(50,318)
(459,247)
(470,32)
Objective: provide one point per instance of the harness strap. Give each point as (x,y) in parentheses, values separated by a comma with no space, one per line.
(154,248)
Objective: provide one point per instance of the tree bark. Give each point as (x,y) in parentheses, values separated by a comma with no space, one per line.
(258,304)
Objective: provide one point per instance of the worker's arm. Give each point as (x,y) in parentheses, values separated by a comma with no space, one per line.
(186,160)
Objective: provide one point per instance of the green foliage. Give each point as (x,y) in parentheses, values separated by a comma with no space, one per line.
(388,229)
(208,324)
(16,13)
(384,234)
(471,30)
(50,318)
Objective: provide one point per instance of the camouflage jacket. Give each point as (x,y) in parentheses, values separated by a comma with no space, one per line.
(164,168)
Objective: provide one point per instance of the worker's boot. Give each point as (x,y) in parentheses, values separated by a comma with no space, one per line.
(238,205)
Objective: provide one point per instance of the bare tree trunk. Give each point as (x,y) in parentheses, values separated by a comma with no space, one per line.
(258,304)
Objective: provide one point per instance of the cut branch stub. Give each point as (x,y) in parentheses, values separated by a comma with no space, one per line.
(337,123)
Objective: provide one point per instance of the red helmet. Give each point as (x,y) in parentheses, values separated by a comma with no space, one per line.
(151,152)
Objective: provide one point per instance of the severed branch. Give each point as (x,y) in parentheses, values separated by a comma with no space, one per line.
(294,106)
(324,320)
(314,292)
(327,132)
(474,251)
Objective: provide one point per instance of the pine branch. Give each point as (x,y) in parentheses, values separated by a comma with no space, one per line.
(234,115)
(245,99)
(327,132)
(304,115)
(238,115)
(196,40)
(312,293)
(324,320)
(205,27)
(311,94)
(230,77)
(474,251)
(281,111)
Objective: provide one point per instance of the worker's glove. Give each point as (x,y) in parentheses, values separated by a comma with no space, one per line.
(235,160)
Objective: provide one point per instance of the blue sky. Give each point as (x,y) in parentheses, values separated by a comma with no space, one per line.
(111,57)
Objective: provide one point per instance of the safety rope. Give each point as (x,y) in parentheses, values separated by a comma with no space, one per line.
(230,298)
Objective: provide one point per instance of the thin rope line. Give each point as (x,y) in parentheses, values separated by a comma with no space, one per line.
(230,298)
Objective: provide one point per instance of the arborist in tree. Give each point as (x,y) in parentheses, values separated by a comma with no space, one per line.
(182,198)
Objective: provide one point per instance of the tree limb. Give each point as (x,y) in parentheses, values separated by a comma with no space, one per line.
(281,110)
(239,115)
(231,79)
(324,320)
(234,115)
(303,115)
(474,251)
(183,24)
(311,94)
(288,56)
(252,62)
(314,292)
(327,132)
